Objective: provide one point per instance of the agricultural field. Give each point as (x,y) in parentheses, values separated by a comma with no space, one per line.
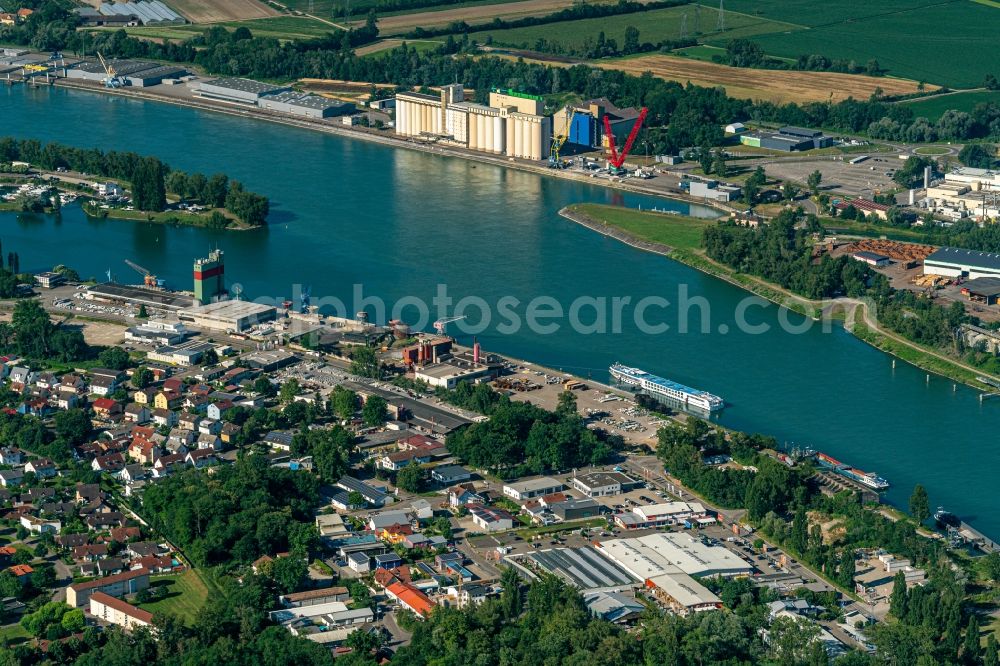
(382,47)
(762,84)
(654,26)
(472,14)
(357,10)
(278,27)
(922,40)
(932,108)
(213,11)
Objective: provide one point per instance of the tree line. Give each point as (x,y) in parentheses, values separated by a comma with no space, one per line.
(150,178)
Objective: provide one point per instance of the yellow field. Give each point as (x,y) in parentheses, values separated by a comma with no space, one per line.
(770,85)
(394,25)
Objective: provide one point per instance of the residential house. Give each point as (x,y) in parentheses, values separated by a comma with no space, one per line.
(112,463)
(143,451)
(397,461)
(132,473)
(125,534)
(35,407)
(464,494)
(490,519)
(359,562)
(210,427)
(187,421)
(106,408)
(37,525)
(87,492)
(164,417)
(22,572)
(216,409)
(72,384)
(21,377)
(105,520)
(372,495)
(11,455)
(72,540)
(201,458)
(410,598)
(116,611)
(229,433)
(109,566)
(103,386)
(279,440)
(207,441)
(449,475)
(67,400)
(146,396)
(388,561)
(11,477)
(463,595)
(43,468)
(136,413)
(168,400)
(90,552)
(119,585)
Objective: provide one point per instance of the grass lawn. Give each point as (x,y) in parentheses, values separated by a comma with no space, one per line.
(931,150)
(654,26)
(933,108)
(14,634)
(676,231)
(701,52)
(186,594)
(278,27)
(855,228)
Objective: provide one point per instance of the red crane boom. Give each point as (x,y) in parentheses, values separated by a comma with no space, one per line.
(618,159)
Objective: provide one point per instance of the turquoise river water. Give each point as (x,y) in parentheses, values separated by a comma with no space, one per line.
(401,223)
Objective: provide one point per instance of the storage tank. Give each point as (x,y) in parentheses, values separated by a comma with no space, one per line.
(536,139)
(509,123)
(518,136)
(490,135)
(498,135)
(480,132)
(473,134)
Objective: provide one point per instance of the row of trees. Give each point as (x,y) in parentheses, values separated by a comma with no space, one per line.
(150,178)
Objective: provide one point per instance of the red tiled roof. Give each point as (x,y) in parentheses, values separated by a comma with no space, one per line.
(412,598)
(124,607)
(108,580)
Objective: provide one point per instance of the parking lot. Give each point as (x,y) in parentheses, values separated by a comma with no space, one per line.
(603,406)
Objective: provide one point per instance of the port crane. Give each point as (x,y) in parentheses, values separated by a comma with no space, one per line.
(148,278)
(440,324)
(616,159)
(559,139)
(112,80)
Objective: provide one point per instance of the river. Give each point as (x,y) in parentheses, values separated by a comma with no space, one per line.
(401,222)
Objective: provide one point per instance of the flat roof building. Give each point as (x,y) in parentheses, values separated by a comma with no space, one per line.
(956,262)
(310,106)
(650,555)
(583,568)
(228,315)
(532,488)
(982,290)
(238,91)
(600,484)
(111,292)
(185,354)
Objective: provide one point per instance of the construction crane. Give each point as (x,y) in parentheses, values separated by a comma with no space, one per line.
(112,80)
(616,159)
(440,324)
(559,139)
(148,278)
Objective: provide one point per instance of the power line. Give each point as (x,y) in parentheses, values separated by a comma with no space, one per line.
(721,25)
(684,26)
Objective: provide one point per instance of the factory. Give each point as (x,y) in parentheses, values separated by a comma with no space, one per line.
(210,277)
(135,73)
(966,192)
(309,106)
(583,568)
(955,262)
(185,354)
(449,369)
(667,564)
(158,332)
(602,484)
(512,124)
(238,91)
(787,139)
(985,290)
(121,294)
(586,122)
(228,315)
(712,189)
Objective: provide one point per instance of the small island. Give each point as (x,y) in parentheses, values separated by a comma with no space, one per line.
(122,185)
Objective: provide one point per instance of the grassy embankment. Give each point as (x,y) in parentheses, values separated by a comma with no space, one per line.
(679,237)
(163,217)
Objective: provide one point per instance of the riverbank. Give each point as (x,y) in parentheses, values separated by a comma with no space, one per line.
(386,138)
(602,220)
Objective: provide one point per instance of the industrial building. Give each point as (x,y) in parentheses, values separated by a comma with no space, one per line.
(136,73)
(238,91)
(984,290)
(210,277)
(269,360)
(586,122)
(685,551)
(956,262)
(660,515)
(583,568)
(186,354)
(787,139)
(148,12)
(867,206)
(512,124)
(228,315)
(121,294)
(49,280)
(872,258)
(310,106)
(157,332)
(601,484)
(525,490)
(712,189)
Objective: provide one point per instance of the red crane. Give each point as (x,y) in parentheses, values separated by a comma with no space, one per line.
(617,159)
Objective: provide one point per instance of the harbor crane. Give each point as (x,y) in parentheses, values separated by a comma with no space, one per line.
(111,80)
(615,158)
(440,324)
(559,139)
(148,279)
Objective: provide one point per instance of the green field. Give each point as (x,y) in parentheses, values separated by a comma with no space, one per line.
(920,40)
(334,9)
(701,52)
(676,231)
(186,594)
(933,107)
(654,26)
(278,27)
